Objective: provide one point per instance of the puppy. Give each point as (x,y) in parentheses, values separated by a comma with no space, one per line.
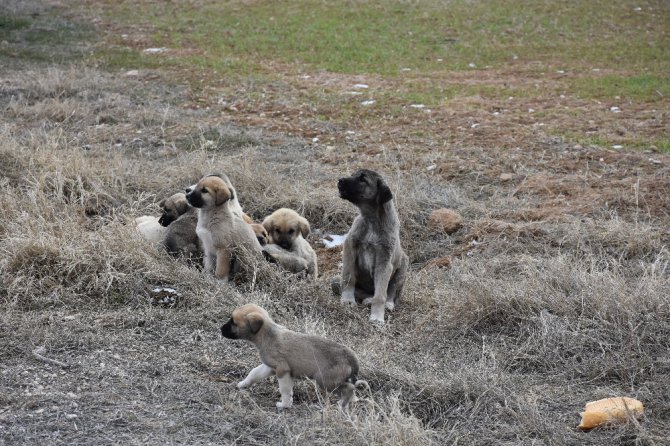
(261,233)
(172,208)
(225,236)
(287,245)
(290,355)
(181,239)
(374,264)
(233,203)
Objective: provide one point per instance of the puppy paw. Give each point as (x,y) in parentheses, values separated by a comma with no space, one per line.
(390,305)
(269,257)
(348,298)
(377,315)
(242,385)
(282,405)
(367,301)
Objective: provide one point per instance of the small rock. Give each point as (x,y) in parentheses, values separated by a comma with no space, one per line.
(445,220)
(506,176)
(165,297)
(132,73)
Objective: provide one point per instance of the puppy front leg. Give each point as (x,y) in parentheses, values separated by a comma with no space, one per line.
(382,276)
(256,374)
(348,275)
(396,284)
(286,390)
(222,264)
(209,259)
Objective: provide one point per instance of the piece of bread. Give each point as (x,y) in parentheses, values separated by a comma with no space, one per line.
(610,411)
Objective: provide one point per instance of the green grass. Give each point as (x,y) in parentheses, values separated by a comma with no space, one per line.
(657,144)
(646,87)
(42,37)
(384,37)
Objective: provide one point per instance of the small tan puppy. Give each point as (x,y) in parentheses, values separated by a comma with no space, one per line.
(287,245)
(290,355)
(225,236)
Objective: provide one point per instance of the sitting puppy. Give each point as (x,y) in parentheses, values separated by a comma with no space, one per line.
(225,236)
(290,355)
(181,239)
(287,245)
(181,219)
(374,264)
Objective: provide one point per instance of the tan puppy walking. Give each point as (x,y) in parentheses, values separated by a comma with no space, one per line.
(291,355)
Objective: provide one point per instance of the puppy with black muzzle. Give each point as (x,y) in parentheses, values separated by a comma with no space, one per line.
(374,264)
(224,235)
(173,207)
(287,245)
(291,355)
(181,220)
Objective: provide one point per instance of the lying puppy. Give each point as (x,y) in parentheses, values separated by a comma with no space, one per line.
(287,245)
(150,228)
(290,355)
(225,236)
(374,264)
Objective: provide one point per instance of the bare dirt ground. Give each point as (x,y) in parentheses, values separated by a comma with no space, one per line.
(555,291)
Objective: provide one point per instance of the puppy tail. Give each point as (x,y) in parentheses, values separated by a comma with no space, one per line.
(361,384)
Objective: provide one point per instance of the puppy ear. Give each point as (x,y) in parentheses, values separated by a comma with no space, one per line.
(383,192)
(304,226)
(161,204)
(267,223)
(255,321)
(222,195)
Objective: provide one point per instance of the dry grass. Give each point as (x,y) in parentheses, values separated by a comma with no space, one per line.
(533,317)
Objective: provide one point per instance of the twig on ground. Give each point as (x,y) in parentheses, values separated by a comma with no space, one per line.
(39,351)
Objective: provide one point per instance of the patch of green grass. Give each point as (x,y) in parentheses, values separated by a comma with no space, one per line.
(646,87)
(384,37)
(42,37)
(9,26)
(657,144)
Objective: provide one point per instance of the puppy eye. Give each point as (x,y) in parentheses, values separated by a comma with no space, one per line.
(204,190)
(291,231)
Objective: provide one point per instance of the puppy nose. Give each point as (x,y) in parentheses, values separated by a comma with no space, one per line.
(188,190)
